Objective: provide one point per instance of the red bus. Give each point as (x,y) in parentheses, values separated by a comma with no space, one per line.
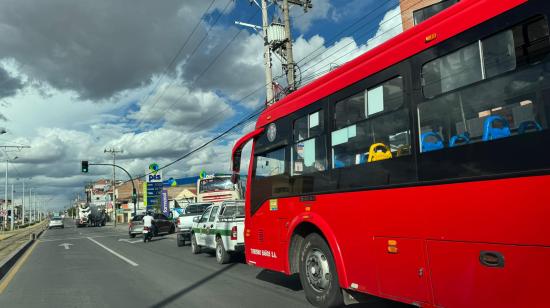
(417,172)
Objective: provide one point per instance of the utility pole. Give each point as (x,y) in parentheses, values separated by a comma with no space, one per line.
(278,38)
(6,147)
(30,205)
(33,206)
(114,152)
(290,69)
(23,205)
(12,209)
(267,56)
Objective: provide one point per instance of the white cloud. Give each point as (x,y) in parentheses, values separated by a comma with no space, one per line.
(179,106)
(322,9)
(320,59)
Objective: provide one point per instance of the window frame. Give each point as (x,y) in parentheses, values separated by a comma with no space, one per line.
(213,213)
(306,112)
(430,6)
(455,158)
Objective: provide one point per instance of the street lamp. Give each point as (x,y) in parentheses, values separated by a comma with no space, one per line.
(6,191)
(3,131)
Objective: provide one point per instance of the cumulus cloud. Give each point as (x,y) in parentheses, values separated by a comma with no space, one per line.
(97,48)
(8,85)
(320,59)
(177,105)
(322,9)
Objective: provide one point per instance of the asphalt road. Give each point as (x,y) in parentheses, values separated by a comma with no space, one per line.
(102,267)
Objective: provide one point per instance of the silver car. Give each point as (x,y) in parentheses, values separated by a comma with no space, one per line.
(135,226)
(56,222)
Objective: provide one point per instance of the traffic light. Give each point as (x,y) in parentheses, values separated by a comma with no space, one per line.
(85,166)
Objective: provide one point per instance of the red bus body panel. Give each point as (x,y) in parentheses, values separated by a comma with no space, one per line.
(438,230)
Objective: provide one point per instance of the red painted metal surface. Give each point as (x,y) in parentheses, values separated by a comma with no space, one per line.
(440,235)
(439,231)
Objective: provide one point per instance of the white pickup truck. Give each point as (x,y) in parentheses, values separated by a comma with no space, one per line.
(221,227)
(184,222)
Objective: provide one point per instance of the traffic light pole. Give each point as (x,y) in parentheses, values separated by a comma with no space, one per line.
(134,191)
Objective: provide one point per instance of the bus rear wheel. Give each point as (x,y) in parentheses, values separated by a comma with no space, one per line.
(318,273)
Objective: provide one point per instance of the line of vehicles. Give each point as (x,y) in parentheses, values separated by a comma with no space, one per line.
(215,222)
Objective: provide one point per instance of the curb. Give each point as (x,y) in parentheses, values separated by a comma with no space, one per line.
(10,260)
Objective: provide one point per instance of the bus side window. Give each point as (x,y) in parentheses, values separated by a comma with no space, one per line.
(271,163)
(371,126)
(498,98)
(308,153)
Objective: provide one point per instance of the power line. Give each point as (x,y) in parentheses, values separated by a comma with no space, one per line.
(230,42)
(174,59)
(206,69)
(159,96)
(248,118)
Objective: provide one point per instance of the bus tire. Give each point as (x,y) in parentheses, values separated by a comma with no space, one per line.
(195,249)
(222,256)
(318,273)
(180,240)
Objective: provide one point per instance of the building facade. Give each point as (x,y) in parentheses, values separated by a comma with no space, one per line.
(414,12)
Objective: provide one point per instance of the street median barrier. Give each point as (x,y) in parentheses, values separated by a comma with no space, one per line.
(8,262)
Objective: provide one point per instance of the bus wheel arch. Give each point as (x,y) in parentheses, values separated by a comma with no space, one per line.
(299,233)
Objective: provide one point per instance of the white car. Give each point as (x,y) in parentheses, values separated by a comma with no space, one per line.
(221,227)
(184,222)
(56,222)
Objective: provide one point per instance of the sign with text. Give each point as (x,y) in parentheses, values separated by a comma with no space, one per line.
(165,206)
(153,174)
(153,186)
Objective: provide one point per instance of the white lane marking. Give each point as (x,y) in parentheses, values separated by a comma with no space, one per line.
(128,241)
(66,245)
(114,252)
(75,238)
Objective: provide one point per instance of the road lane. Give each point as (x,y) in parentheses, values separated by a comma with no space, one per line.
(87,275)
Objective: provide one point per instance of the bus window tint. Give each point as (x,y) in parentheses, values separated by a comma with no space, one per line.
(507,105)
(271,163)
(382,126)
(452,71)
(308,154)
(499,54)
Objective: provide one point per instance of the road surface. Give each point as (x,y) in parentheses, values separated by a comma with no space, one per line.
(102,267)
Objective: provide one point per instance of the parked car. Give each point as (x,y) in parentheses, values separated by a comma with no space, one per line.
(221,227)
(135,226)
(56,222)
(184,223)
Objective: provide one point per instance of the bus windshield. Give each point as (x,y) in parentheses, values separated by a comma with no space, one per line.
(216,184)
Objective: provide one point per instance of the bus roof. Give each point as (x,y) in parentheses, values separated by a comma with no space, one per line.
(444,25)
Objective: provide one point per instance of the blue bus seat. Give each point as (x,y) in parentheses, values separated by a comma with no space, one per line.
(431,145)
(492,133)
(529,125)
(459,139)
